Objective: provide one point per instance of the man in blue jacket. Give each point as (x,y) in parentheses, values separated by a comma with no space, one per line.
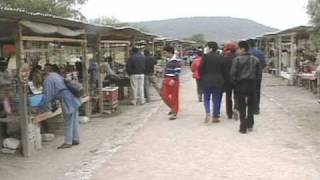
(262,62)
(55,89)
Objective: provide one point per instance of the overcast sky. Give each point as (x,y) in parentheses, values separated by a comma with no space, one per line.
(281,14)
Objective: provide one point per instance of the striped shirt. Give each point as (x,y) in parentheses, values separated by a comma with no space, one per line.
(173,68)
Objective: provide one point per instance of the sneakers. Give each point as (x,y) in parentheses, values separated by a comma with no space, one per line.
(173,116)
(235,115)
(65,146)
(215,120)
(75,143)
(208,118)
(243,131)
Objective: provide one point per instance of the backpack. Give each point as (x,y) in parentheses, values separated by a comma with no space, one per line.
(75,87)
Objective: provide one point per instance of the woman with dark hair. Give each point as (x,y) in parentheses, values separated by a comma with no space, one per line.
(212,76)
(195,67)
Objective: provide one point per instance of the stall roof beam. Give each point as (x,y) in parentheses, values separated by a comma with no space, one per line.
(48,39)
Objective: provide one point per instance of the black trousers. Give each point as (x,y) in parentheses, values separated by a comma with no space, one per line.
(258,92)
(199,89)
(231,100)
(246,95)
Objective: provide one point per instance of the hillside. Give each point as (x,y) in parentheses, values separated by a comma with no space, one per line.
(219,29)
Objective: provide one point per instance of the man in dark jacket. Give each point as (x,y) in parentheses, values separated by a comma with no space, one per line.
(244,73)
(148,73)
(136,69)
(213,74)
(262,62)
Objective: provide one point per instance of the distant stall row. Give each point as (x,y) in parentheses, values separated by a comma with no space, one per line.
(30,41)
(293,55)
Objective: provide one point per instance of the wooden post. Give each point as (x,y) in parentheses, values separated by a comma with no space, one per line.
(23,107)
(292,59)
(153,48)
(100,79)
(164,43)
(133,42)
(85,65)
(279,44)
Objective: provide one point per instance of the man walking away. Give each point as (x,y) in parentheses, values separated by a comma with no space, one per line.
(195,67)
(262,61)
(149,73)
(171,83)
(136,69)
(213,75)
(230,52)
(244,73)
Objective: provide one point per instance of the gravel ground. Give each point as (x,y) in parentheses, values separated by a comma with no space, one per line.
(140,143)
(100,139)
(284,145)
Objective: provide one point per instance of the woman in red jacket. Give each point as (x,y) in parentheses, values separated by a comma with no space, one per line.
(195,67)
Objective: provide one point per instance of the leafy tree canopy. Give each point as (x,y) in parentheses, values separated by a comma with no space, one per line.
(313,9)
(199,38)
(114,22)
(64,8)
(110,21)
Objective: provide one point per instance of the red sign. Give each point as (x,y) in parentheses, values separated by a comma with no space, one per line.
(9,49)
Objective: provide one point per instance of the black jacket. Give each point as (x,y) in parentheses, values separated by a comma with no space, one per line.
(212,71)
(245,67)
(150,62)
(136,64)
(228,63)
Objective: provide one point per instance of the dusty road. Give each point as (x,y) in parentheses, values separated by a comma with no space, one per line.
(141,144)
(284,145)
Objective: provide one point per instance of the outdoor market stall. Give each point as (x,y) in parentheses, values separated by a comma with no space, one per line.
(36,39)
(292,56)
(116,43)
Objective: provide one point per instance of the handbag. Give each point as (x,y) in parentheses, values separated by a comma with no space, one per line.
(75,87)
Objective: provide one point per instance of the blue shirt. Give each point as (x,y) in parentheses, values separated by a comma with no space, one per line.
(55,89)
(259,54)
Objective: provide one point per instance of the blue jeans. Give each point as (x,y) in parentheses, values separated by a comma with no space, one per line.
(71,132)
(216,94)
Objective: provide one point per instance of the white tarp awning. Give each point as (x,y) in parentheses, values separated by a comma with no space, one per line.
(42,28)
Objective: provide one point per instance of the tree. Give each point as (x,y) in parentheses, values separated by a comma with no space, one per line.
(114,22)
(199,38)
(313,9)
(64,8)
(110,21)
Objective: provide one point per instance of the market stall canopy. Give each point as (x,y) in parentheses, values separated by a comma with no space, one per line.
(48,24)
(298,29)
(42,28)
(124,33)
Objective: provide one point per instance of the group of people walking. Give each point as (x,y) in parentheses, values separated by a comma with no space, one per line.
(238,73)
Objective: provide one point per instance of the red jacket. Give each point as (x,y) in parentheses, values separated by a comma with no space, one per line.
(195,67)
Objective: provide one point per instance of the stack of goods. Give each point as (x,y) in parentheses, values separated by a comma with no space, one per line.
(110,98)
